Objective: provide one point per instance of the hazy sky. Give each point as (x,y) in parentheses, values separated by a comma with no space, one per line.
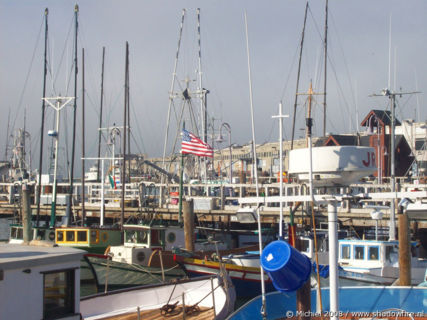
(358,63)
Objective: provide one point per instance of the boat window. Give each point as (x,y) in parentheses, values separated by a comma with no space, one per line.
(391,255)
(155,238)
(305,245)
(41,234)
(69,235)
(136,237)
(82,236)
(94,236)
(373,253)
(359,252)
(58,294)
(60,236)
(345,251)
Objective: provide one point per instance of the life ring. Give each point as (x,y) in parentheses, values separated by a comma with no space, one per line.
(52,235)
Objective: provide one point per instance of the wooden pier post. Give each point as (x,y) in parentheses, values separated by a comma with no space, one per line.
(26,212)
(404,251)
(188,213)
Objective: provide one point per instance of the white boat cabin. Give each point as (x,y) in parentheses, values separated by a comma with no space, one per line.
(39,282)
(140,241)
(16,234)
(368,253)
(377,261)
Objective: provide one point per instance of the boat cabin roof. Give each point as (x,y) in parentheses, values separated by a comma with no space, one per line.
(143,227)
(18,256)
(368,242)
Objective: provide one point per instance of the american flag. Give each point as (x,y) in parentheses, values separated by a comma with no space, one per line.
(193,145)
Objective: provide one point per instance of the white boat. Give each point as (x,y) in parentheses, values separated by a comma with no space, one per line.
(374,261)
(39,282)
(212,297)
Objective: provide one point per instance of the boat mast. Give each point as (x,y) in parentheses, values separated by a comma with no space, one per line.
(125,109)
(70,203)
(203,93)
(171,91)
(100,113)
(39,185)
(83,138)
(298,76)
(392,96)
(325,68)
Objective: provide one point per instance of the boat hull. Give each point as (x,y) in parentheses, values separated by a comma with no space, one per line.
(365,301)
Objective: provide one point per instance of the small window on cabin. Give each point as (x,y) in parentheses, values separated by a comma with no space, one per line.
(82,236)
(41,234)
(19,233)
(373,253)
(359,252)
(69,235)
(13,232)
(94,236)
(58,294)
(391,255)
(345,251)
(142,237)
(305,245)
(60,236)
(155,238)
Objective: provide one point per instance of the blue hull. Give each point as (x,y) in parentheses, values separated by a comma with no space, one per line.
(351,299)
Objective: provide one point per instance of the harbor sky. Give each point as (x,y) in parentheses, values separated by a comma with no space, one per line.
(361,61)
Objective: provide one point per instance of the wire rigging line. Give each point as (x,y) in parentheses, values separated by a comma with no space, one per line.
(27,76)
(62,57)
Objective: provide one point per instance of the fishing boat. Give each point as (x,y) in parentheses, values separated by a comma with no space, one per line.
(210,297)
(152,244)
(375,261)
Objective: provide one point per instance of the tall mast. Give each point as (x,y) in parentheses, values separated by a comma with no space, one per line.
(125,109)
(100,113)
(171,92)
(298,76)
(128,111)
(83,138)
(76,12)
(202,93)
(38,192)
(325,68)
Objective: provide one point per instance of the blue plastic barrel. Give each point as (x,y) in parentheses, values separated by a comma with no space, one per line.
(286,266)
